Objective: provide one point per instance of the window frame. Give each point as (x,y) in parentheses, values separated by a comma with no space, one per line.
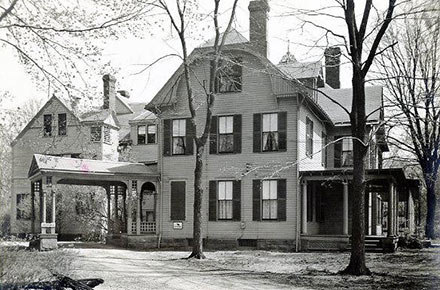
(263,132)
(269,200)
(182,137)
(229,134)
(232,64)
(62,124)
(184,206)
(47,133)
(148,134)
(226,200)
(309,137)
(92,138)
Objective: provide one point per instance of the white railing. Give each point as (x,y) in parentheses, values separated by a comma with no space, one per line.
(146,227)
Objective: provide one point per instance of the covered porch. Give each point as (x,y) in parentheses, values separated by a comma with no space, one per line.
(326,208)
(131,190)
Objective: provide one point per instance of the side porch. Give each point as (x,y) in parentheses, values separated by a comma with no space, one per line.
(326,198)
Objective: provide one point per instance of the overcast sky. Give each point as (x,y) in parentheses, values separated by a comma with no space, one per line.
(128,55)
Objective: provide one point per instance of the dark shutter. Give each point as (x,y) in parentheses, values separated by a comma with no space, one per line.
(256,189)
(282,131)
(257,133)
(212,200)
(236,200)
(178,200)
(167,137)
(190,134)
(338,152)
(213,136)
(237,133)
(281,191)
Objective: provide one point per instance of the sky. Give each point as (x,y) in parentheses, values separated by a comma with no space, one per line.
(128,55)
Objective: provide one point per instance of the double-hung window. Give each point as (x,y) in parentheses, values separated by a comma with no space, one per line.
(270,200)
(151,134)
(47,125)
(179,136)
(347,152)
(141,132)
(226,134)
(62,124)
(309,138)
(225,200)
(270,132)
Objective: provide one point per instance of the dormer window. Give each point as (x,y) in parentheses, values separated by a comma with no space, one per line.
(47,125)
(62,124)
(229,76)
(95,133)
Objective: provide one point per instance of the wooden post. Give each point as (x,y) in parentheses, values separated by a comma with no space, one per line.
(391,210)
(304,207)
(345,208)
(54,213)
(138,209)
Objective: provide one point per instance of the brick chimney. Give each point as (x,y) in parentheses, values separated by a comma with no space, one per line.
(109,92)
(332,62)
(258,10)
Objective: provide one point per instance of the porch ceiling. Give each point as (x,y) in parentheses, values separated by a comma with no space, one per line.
(87,169)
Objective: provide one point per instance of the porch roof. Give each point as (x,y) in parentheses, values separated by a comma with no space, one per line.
(46,164)
(397,174)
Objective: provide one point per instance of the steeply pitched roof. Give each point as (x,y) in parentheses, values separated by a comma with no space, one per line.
(47,163)
(233,37)
(301,70)
(373,103)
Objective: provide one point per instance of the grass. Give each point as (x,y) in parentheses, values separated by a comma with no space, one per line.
(19,265)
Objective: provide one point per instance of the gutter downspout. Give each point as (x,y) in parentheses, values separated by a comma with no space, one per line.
(298,185)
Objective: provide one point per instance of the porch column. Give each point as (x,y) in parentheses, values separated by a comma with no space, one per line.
(345,208)
(109,208)
(138,209)
(33,207)
(129,209)
(391,210)
(43,208)
(304,207)
(54,212)
(369,211)
(115,213)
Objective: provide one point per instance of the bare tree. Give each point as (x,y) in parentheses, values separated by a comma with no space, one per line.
(411,71)
(179,15)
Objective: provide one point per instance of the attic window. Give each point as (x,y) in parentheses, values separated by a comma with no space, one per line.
(229,76)
(47,125)
(62,124)
(95,133)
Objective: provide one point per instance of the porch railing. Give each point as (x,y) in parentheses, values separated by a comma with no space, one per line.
(146,227)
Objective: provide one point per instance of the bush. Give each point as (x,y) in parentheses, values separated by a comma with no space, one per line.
(18,265)
(410,242)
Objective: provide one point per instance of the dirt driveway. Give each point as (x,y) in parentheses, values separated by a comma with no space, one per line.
(124,269)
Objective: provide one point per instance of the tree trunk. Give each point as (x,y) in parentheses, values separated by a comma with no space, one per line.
(430,206)
(357,264)
(197,251)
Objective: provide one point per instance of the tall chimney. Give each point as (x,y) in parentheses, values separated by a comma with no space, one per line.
(109,92)
(332,62)
(258,10)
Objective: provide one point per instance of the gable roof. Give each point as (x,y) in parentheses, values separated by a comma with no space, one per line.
(38,114)
(373,103)
(233,37)
(47,164)
(122,107)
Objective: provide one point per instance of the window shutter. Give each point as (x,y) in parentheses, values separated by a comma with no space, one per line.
(178,200)
(257,133)
(338,152)
(281,191)
(237,133)
(190,134)
(282,131)
(236,200)
(212,200)
(167,137)
(213,136)
(256,189)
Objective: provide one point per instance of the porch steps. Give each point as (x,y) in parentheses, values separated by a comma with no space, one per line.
(376,244)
